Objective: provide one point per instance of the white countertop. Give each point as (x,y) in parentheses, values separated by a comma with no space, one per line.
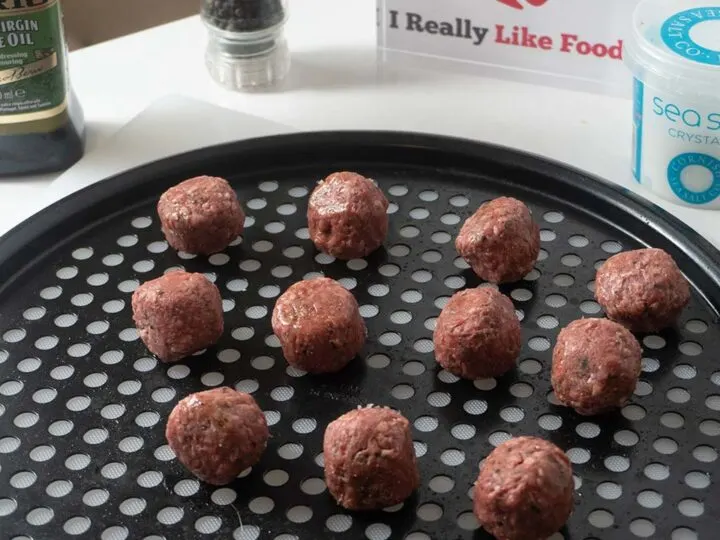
(335,83)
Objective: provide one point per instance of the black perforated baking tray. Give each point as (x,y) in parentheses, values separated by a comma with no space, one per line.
(83,405)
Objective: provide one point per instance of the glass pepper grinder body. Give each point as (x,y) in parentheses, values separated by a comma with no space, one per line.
(247,47)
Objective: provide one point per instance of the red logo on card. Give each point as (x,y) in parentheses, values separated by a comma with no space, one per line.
(518,4)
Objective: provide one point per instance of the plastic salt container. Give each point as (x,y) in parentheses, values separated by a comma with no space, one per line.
(674,54)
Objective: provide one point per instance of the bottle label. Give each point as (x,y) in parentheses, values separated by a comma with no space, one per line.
(33,76)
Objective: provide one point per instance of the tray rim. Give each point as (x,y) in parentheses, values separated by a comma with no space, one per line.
(15,242)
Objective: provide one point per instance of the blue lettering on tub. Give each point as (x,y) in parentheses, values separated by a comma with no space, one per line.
(675,173)
(693,138)
(687,116)
(714,121)
(675,32)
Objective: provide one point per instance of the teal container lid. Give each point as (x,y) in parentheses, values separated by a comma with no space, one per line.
(676,44)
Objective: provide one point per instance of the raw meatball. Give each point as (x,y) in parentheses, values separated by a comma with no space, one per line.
(477,334)
(524,490)
(201,215)
(347,216)
(178,314)
(370,459)
(319,325)
(217,434)
(500,241)
(596,365)
(642,289)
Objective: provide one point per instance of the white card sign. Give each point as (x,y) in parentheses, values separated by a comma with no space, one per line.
(571,43)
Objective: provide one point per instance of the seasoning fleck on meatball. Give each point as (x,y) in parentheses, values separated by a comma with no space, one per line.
(500,241)
(642,289)
(524,490)
(217,434)
(347,216)
(201,215)
(477,334)
(319,325)
(369,459)
(595,367)
(178,314)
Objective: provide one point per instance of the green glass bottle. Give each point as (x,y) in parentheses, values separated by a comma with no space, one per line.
(41,122)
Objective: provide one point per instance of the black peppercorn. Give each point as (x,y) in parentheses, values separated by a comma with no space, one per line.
(243,15)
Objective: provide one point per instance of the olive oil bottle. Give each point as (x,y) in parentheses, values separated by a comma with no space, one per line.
(41,121)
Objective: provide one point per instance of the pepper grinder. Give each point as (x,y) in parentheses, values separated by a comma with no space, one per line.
(246,47)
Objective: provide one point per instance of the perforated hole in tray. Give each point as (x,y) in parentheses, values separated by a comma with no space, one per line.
(83,405)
